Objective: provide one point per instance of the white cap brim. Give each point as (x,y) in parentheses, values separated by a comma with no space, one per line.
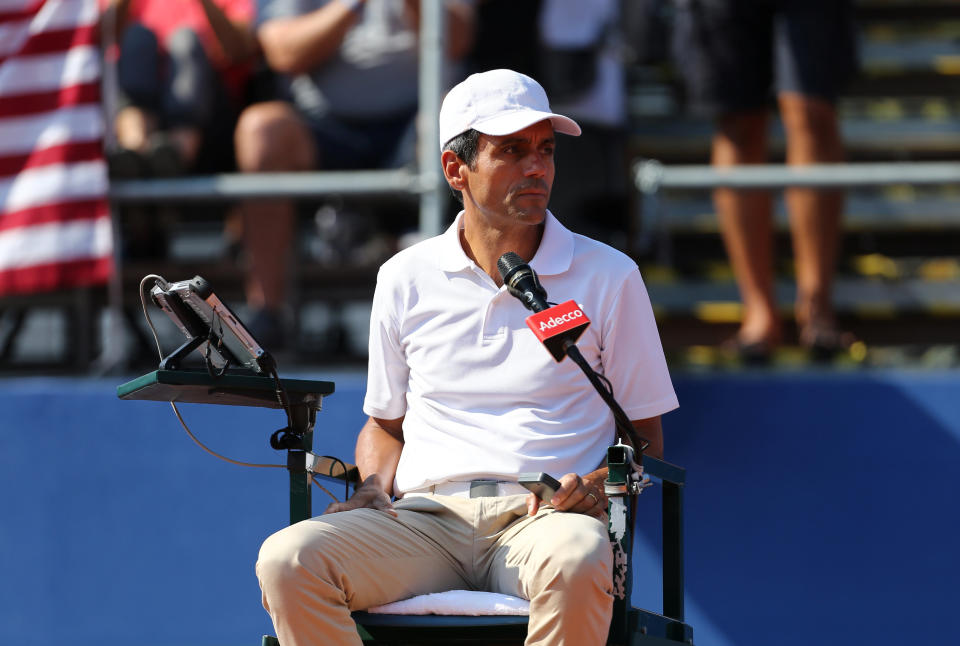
(498,102)
(505,124)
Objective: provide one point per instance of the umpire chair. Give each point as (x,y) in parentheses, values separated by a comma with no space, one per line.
(629,625)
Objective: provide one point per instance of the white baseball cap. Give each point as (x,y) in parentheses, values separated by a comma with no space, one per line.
(498,102)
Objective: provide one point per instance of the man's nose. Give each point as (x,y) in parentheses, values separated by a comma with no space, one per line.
(535,165)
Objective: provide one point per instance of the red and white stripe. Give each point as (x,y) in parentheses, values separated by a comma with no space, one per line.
(55,227)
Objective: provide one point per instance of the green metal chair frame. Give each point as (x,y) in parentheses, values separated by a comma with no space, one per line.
(629,625)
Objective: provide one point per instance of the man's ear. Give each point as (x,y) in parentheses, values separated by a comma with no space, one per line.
(453,168)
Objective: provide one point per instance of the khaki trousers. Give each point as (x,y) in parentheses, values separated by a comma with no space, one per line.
(314,573)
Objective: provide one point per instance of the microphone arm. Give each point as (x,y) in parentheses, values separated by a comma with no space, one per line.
(523,283)
(603,387)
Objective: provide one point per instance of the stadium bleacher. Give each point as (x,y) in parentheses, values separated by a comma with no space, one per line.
(896,289)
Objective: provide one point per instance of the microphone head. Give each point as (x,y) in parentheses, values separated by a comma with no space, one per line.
(510,263)
(522,281)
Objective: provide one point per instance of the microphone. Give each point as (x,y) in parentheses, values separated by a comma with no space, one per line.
(558,327)
(522,282)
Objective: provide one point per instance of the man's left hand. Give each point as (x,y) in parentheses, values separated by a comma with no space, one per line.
(575,495)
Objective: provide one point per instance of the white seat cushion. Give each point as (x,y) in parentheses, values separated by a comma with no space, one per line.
(456,602)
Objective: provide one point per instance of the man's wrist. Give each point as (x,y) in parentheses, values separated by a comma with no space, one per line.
(597,476)
(374,481)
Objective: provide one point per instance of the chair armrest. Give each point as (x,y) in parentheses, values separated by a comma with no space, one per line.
(673,479)
(664,470)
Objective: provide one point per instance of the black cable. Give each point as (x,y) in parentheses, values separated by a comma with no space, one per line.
(343,465)
(206,352)
(605,389)
(346,481)
(282,397)
(209,363)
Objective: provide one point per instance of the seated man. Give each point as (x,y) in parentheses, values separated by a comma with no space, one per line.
(459,391)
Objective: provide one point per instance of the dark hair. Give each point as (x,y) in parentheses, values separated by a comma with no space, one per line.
(465,146)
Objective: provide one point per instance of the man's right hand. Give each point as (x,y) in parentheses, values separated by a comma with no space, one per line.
(370,494)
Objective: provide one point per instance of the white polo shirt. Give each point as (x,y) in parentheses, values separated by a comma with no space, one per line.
(480,396)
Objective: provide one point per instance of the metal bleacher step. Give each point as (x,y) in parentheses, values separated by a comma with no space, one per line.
(899,318)
(901,47)
(896,208)
(907,9)
(717,301)
(902,104)
(686,139)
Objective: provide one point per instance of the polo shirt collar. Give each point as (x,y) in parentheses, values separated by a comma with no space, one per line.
(553,256)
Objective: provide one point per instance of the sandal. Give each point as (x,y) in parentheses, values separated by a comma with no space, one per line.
(826,343)
(749,353)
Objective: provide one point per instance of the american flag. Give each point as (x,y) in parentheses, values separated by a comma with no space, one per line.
(55,229)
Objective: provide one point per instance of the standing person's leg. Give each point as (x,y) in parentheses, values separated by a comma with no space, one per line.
(813,137)
(135,119)
(747,228)
(139,85)
(270,137)
(314,573)
(723,48)
(562,563)
(815,56)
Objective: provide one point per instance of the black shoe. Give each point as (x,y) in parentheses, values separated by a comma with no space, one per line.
(164,158)
(127,164)
(826,344)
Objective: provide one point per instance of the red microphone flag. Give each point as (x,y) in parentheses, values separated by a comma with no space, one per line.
(556,324)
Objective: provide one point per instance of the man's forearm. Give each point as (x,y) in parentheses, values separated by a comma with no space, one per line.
(235,37)
(378,451)
(298,44)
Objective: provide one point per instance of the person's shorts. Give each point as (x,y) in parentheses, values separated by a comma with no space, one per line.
(734,55)
(344,144)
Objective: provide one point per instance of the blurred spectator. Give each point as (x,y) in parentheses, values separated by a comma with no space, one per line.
(506,21)
(732,53)
(582,70)
(182,72)
(353,89)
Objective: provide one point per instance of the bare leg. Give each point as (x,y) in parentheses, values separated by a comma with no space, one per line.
(133,127)
(746,225)
(270,137)
(813,136)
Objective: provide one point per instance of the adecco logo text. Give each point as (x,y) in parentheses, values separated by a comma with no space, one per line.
(554,321)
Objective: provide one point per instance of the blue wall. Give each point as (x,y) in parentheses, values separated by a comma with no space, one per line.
(821,508)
